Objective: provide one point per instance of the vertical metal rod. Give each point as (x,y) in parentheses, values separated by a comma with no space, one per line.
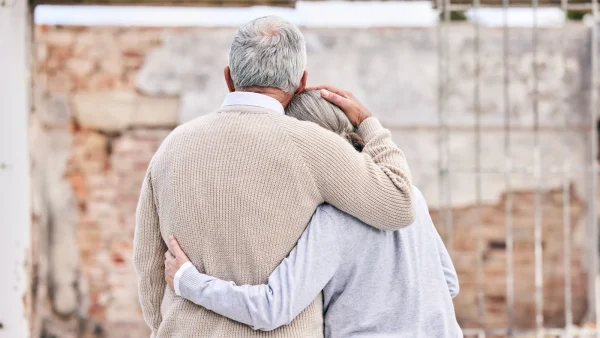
(566,194)
(448,182)
(510,298)
(593,194)
(440,108)
(567,248)
(477,127)
(538,250)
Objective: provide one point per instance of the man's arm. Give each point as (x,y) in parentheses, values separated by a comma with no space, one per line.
(447,266)
(148,249)
(375,185)
(293,285)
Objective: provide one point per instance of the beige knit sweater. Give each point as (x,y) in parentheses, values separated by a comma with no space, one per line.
(236,188)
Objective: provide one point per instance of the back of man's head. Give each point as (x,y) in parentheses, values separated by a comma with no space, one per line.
(268,52)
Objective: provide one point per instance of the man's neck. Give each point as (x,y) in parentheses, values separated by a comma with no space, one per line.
(278,94)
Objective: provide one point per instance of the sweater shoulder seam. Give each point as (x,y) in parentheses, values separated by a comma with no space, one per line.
(151,184)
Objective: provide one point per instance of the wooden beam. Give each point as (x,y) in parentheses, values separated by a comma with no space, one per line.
(199,3)
(458,5)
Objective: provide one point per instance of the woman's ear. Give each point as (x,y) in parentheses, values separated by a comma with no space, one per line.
(229,79)
(302,85)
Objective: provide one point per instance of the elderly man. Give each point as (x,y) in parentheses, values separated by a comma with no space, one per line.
(238,186)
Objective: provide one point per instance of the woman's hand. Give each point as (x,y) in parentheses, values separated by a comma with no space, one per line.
(353,109)
(173,263)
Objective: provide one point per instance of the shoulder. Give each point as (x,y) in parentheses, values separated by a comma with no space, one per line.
(418,194)
(419,199)
(421,207)
(299,128)
(312,138)
(183,130)
(178,139)
(341,223)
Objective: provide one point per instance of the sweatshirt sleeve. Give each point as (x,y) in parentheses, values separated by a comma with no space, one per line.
(448,268)
(447,265)
(375,186)
(292,286)
(148,259)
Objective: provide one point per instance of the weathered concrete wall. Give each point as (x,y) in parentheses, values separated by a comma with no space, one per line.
(106,97)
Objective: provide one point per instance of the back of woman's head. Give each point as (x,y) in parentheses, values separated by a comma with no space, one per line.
(310,106)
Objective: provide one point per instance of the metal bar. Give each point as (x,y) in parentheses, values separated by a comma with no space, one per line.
(566,196)
(443,140)
(448,183)
(567,247)
(440,108)
(578,332)
(550,170)
(510,289)
(467,6)
(579,7)
(538,253)
(489,128)
(593,186)
(477,127)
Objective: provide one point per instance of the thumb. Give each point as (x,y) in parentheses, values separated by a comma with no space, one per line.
(334,98)
(176,248)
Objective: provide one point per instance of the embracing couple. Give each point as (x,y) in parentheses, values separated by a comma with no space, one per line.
(287,212)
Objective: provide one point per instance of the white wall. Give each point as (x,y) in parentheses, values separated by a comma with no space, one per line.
(329,14)
(14,166)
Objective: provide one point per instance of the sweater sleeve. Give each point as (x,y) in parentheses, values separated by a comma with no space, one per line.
(148,259)
(292,286)
(374,186)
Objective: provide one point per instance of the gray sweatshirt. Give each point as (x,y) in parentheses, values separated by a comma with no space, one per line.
(375,283)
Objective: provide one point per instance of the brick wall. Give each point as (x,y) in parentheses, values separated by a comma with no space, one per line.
(106,153)
(97,121)
(488,221)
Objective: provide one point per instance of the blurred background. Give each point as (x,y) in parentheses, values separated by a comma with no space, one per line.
(494,102)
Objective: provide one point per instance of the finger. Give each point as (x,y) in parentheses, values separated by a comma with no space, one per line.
(176,248)
(168,255)
(329,88)
(334,98)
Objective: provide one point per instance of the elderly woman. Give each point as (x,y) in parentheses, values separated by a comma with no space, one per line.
(375,283)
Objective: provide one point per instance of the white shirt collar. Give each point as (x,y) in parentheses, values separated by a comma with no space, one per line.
(253,99)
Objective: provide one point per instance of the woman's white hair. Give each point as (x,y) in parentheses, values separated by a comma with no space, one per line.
(310,106)
(268,52)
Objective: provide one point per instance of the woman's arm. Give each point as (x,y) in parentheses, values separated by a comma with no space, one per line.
(447,266)
(293,285)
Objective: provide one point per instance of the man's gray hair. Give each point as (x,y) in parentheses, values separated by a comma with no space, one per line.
(268,52)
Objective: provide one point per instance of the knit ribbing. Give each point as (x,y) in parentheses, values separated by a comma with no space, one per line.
(237,188)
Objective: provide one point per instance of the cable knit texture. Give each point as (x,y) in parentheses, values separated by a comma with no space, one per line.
(237,188)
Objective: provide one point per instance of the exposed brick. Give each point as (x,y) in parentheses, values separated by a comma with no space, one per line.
(118,130)
(80,67)
(465,221)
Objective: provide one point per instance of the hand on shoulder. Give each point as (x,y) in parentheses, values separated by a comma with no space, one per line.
(354,110)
